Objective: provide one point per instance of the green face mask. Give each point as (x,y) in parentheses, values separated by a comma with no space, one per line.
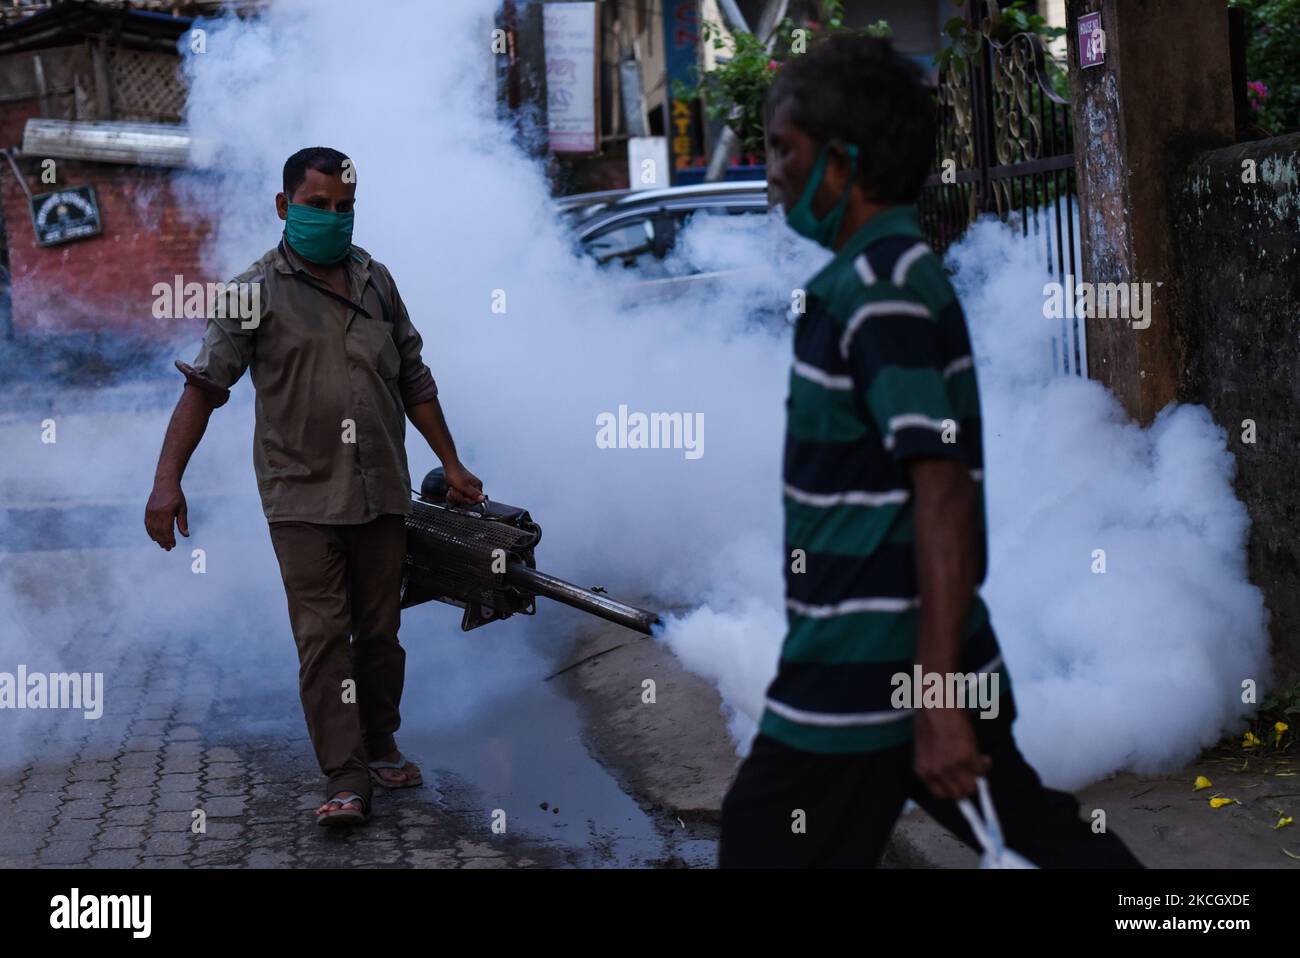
(801,219)
(318,236)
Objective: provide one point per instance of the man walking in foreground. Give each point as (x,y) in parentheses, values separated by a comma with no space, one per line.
(337,367)
(885,538)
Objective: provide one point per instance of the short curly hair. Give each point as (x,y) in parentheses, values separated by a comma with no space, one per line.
(856,89)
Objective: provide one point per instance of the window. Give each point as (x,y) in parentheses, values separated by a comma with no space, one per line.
(626,241)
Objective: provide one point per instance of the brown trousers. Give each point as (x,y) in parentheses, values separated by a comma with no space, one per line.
(343,582)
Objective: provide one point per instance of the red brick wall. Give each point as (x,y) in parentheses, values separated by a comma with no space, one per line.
(105,282)
(13,120)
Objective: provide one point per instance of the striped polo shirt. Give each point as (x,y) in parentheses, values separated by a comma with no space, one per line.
(882,373)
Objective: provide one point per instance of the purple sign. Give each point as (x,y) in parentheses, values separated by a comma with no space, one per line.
(1092,40)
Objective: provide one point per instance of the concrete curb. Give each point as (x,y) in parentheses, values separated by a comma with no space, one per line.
(674,755)
(677,757)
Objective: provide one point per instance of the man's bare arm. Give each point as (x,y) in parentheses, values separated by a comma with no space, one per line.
(948,557)
(166,509)
(465,488)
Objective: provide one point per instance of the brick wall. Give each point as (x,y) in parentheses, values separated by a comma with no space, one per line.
(102,284)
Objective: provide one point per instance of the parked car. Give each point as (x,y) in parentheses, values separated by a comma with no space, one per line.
(579,206)
(639,227)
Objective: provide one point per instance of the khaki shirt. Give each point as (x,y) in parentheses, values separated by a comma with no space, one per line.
(333,382)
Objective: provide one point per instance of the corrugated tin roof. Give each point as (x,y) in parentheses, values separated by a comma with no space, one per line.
(141,24)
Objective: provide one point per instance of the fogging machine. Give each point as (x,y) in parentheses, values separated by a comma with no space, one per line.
(480,558)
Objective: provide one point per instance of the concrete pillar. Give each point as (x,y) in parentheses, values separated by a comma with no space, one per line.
(1163,90)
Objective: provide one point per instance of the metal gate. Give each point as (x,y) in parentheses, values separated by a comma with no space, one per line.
(1006,146)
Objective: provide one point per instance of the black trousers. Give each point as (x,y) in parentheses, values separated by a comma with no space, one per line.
(851,802)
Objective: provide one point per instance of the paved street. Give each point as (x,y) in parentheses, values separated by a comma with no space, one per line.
(201,708)
(121,791)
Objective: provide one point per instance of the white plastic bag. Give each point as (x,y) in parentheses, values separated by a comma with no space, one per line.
(988,833)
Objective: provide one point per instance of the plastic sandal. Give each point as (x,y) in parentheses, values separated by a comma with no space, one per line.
(413,779)
(341,815)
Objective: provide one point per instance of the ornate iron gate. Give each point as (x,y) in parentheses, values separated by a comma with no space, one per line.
(1006,146)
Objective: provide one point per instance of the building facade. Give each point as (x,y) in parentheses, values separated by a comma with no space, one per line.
(87,230)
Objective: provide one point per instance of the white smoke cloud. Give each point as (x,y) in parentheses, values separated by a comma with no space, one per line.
(1142,666)
(457,212)
(1144,661)
(1137,668)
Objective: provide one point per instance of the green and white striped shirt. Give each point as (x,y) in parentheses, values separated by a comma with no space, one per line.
(882,373)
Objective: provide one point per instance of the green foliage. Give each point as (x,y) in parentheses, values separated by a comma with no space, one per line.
(1282,706)
(1013,18)
(735,90)
(1273,59)
(738,85)
(1272,731)
(833,14)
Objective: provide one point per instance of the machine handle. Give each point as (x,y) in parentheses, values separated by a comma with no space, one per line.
(435,488)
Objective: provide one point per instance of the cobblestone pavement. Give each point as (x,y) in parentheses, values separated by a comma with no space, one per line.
(179,733)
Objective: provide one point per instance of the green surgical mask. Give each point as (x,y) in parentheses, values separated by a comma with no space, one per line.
(801,218)
(318,236)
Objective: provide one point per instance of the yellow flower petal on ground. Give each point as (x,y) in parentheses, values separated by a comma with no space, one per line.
(1250,740)
(1283,822)
(1220,802)
(1200,783)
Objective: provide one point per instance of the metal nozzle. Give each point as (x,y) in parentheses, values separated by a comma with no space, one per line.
(539,583)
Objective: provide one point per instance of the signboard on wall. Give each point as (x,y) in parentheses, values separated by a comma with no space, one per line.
(1092,40)
(572,59)
(681,55)
(66,215)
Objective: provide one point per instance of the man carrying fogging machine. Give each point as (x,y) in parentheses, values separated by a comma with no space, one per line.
(337,368)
